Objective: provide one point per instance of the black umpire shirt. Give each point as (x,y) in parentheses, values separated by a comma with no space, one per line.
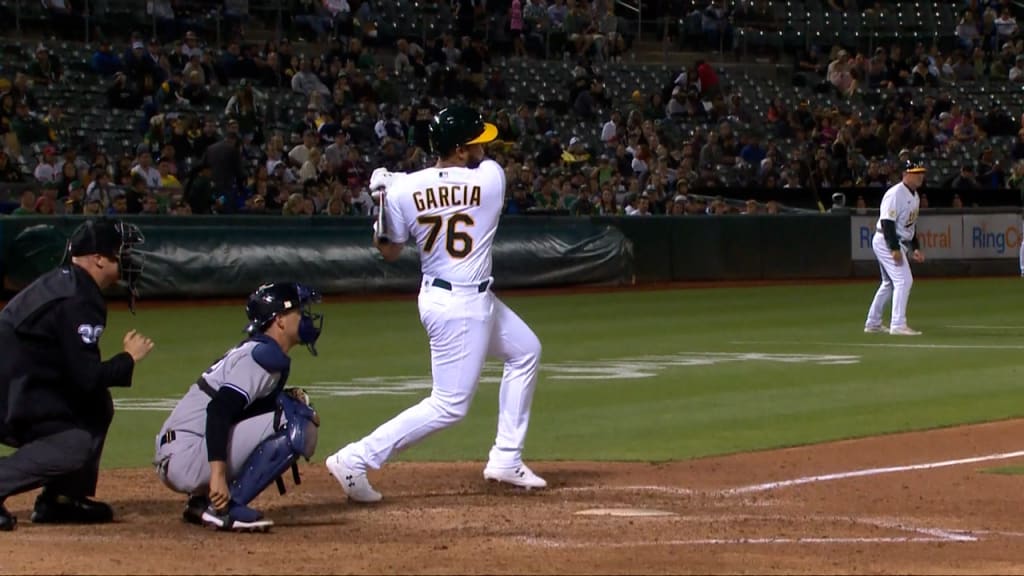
(51,373)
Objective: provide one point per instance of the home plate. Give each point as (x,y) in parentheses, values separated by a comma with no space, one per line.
(624,512)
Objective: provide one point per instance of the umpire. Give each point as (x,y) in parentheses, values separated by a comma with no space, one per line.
(55,406)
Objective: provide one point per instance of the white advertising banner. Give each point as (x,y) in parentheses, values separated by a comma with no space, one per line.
(940,237)
(991,235)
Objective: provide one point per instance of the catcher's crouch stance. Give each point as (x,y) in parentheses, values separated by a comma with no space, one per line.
(237,429)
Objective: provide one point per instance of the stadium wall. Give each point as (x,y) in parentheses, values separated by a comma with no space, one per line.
(219,256)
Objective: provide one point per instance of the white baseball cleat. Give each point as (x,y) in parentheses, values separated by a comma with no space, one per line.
(903,331)
(520,476)
(354,482)
(880,329)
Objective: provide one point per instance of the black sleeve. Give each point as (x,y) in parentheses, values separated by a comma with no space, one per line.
(915,244)
(81,323)
(889,231)
(221,414)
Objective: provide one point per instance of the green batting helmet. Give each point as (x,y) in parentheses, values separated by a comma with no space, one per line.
(458,126)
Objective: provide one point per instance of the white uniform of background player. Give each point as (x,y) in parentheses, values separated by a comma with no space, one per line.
(895,239)
(451,212)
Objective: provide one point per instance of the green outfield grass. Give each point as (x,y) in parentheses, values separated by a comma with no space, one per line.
(699,397)
(1006,470)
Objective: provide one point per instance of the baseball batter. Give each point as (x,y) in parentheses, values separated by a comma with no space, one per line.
(452,211)
(238,429)
(895,240)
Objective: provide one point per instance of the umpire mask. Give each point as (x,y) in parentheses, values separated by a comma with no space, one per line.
(312,323)
(116,240)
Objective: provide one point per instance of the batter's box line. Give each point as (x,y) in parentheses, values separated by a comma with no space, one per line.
(780,484)
(943,534)
(947,534)
(552,543)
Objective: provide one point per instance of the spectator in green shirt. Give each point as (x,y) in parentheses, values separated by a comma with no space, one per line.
(27,206)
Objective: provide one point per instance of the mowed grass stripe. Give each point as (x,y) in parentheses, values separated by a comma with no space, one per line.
(680,412)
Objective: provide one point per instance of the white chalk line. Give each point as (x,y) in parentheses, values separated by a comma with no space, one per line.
(766,486)
(867,472)
(663,489)
(886,344)
(982,327)
(948,534)
(551,543)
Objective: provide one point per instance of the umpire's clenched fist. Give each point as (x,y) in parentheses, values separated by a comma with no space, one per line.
(137,345)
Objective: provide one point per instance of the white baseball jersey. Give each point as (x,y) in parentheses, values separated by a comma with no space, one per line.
(901,205)
(452,213)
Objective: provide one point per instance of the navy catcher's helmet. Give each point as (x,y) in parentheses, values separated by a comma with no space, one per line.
(269,300)
(459,126)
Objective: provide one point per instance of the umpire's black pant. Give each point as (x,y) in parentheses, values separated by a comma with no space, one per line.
(66,460)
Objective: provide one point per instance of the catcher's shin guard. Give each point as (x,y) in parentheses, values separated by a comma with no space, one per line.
(278,453)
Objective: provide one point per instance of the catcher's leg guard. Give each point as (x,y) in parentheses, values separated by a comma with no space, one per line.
(279,452)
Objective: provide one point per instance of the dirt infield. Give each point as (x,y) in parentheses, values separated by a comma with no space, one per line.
(721,515)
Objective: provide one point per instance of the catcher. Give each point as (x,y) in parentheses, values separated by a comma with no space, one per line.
(238,429)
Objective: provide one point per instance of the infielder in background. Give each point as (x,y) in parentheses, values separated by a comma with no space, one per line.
(452,212)
(894,242)
(238,429)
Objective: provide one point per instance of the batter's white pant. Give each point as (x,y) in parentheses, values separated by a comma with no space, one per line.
(896,282)
(465,326)
(183,465)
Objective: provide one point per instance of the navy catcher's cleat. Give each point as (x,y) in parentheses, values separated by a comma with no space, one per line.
(238,518)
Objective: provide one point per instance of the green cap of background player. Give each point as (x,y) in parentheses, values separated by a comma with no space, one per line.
(914,166)
(457,126)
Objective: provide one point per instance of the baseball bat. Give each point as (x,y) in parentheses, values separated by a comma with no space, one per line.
(382,222)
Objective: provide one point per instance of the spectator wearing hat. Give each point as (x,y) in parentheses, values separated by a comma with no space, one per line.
(48,171)
(27,126)
(74,202)
(576,154)
(104,62)
(121,95)
(46,68)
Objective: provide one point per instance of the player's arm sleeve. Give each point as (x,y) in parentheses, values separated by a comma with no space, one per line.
(250,378)
(888,214)
(221,413)
(889,231)
(496,174)
(79,342)
(914,243)
(397,223)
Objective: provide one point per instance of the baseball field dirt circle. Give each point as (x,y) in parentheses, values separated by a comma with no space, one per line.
(908,503)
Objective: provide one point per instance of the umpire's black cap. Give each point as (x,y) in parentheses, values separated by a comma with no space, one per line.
(914,166)
(100,236)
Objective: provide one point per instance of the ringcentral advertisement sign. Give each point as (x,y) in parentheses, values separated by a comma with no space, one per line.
(966,236)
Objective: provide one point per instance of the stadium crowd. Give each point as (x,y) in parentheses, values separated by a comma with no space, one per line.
(359,115)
